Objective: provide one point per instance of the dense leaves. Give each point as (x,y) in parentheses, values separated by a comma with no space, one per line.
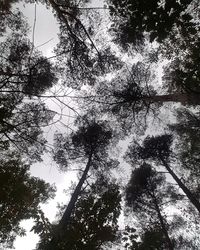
(157,18)
(123,90)
(94,220)
(20,197)
(91,139)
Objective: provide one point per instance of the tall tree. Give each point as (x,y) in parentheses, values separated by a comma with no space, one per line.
(94,220)
(88,144)
(135,97)
(146,193)
(186,130)
(158,148)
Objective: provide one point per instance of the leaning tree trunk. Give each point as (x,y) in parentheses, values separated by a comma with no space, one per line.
(64,222)
(183,98)
(187,192)
(162,223)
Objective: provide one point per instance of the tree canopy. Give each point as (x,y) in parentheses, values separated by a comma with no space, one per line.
(125,78)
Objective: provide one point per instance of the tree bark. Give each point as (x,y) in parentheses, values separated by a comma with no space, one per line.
(187,192)
(162,223)
(67,214)
(64,222)
(183,98)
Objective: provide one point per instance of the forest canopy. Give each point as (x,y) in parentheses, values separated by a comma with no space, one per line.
(125,80)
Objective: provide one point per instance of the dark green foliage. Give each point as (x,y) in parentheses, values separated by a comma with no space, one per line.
(83,67)
(23,69)
(21,126)
(94,221)
(153,147)
(146,193)
(20,196)
(153,238)
(91,138)
(23,72)
(183,74)
(156,146)
(128,98)
(187,131)
(132,19)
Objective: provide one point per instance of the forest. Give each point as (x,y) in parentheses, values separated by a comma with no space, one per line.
(126,76)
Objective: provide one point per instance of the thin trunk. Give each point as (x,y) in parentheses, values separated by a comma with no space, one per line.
(187,192)
(64,222)
(183,98)
(67,214)
(162,223)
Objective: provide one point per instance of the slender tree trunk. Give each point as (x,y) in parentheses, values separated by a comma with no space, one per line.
(67,214)
(64,222)
(162,223)
(187,192)
(183,98)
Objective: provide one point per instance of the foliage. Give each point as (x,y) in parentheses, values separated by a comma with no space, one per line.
(20,197)
(22,68)
(91,138)
(147,193)
(153,147)
(120,100)
(133,19)
(94,220)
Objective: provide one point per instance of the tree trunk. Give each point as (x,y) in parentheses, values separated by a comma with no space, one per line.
(64,222)
(183,98)
(66,216)
(187,192)
(162,223)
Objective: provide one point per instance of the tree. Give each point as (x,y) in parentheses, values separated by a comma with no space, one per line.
(11,20)
(23,69)
(81,59)
(146,193)
(186,130)
(24,74)
(20,197)
(21,127)
(135,99)
(89,143)
(94,220)
(158,149)
(132,20)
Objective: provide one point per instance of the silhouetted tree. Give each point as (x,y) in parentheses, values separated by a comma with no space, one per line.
(23,69)
(146,193)
(89,143)
(158,148)
(20,197)
(93,222)
(132,20)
